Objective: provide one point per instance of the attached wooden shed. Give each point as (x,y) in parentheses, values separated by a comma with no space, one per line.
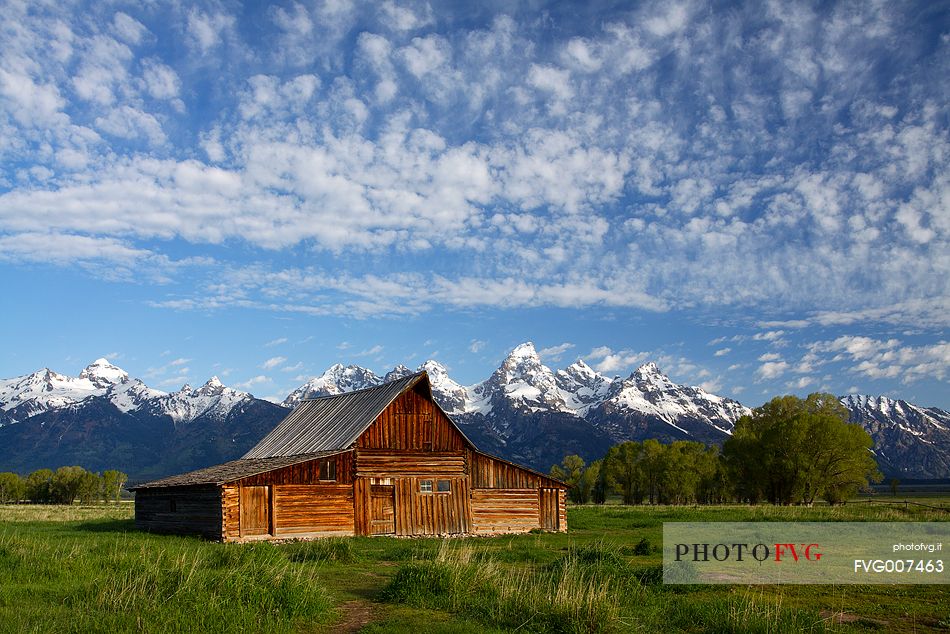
(381,461)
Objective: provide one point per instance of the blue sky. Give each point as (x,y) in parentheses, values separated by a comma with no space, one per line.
(756,196)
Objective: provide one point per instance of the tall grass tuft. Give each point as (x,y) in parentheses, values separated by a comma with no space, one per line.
(331,549)
(573,596)
(136,582)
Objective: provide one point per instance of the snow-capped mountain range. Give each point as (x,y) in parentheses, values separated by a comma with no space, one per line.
(525,385)
(524,411)
(45,390)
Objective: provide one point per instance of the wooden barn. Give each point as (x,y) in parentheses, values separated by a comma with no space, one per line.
(381,461)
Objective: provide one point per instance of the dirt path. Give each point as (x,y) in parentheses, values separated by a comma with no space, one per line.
(356,614)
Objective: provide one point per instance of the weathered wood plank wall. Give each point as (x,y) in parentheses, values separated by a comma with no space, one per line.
(324,509)
(303,473)
(412,422)
(505,510)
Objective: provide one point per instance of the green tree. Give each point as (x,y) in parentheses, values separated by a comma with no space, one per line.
(12,487)
(38,486)
(598,476)
(66,484)
(623,471)
(90,487)
(112,483)
(571,471)
(793,450)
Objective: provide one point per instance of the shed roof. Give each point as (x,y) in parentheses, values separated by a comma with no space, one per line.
(334,422)
(231,471)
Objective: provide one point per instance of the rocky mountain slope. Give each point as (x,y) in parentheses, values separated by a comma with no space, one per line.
(909,441)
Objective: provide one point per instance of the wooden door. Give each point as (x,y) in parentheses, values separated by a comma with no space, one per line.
(383,513)
(255,511)
(549,510)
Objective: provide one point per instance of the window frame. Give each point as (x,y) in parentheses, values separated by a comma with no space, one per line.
(447,489)
(423,484)
(328,470)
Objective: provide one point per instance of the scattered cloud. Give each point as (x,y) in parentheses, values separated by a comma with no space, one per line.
(275,342)
(253,381)
(554,353)
(772,369)
(604,359)
(273,362)
(886,359)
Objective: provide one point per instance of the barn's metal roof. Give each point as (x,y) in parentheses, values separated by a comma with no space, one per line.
(231,471)
(333,422)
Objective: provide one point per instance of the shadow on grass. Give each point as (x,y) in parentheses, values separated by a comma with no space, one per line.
(107,526)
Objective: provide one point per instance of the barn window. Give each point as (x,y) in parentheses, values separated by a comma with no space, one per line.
(172,506)
(328,469)
(425,486)
(444,486)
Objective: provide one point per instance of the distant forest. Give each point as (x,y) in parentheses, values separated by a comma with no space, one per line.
(63,486)
(789,451)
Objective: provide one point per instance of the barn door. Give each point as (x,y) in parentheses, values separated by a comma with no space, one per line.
(255,511)
(549,510)
(383,503)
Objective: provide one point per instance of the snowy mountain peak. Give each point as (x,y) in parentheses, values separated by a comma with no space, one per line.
(399,372)
(521,382)
(335,380)
(524,350)
(103,374)
(213,387)
(582,386)
(451,396)
(650,392)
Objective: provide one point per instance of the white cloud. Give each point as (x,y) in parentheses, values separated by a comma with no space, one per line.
(273,362)
(129,123)
(128,28)
(554,353)
(604,359)
(161,81)
(476,346)
(772,369)
(275,342)
(251,382)
(206,30)
(722,352)
(369,352)
(887,359)
(401,18)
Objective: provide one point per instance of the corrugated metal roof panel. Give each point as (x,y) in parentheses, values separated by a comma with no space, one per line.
(330,422)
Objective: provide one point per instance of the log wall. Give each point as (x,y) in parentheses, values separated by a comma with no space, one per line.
(488,472)
(505,510)
(382,463)
(297,510)
(324,509)
(182,510)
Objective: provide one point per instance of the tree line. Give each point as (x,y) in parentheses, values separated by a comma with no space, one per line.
(63,486)
(789,451)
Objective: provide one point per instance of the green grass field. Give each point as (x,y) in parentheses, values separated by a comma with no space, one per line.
(86,569)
